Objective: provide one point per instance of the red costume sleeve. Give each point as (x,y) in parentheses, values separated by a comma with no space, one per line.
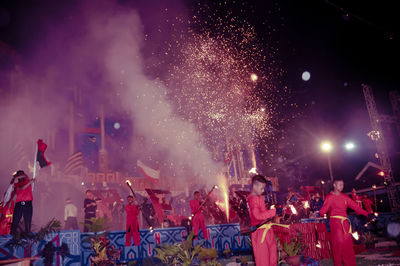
(194,206)
(352,205)
(258,209)
(325,208)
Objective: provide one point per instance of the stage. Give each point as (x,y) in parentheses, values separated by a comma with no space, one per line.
(222,236)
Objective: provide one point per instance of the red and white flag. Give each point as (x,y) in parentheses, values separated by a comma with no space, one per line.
(148,172)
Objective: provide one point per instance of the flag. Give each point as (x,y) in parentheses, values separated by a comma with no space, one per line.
(148,171)
(41,148)
(74,163)
(157,198)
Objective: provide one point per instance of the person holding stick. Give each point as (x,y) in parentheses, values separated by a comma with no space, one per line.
(198,217)
(263,241)
(132,223)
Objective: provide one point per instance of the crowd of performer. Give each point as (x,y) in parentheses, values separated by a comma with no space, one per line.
(255,207)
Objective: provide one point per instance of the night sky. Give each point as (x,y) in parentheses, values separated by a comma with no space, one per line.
(342,44)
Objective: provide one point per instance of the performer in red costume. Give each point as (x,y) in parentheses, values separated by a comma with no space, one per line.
(367,203)
(336,203)
(132,223)
(23,206)
(265,252)
(198,218)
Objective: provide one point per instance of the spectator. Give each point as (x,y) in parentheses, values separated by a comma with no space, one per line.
(70,215)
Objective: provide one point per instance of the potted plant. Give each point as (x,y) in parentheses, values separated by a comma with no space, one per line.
(103,251)
(208,256)
(179,254)
(293,249)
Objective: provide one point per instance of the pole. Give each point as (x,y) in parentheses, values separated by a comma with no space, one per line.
(330,167)
(374,187)
(34,166)
(71,129)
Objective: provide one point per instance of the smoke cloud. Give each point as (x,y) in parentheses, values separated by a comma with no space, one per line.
(93,51)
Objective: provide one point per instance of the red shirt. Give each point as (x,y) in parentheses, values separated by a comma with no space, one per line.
(23,194)
(132,213)
(194,206)
(257,209)
(367,204)
(337,205)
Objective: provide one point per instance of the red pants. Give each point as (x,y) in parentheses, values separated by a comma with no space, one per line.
(342,243)
(265,253)
(132,230)
(198,221)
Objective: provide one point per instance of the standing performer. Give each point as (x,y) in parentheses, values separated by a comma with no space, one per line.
(265,252)
(90,207)
(336,203)
(132,223)
(367,203)
(198,218)
(356,197)
(8,209)
(70,215)
(23,206)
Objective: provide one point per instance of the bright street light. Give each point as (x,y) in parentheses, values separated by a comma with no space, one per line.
(349,146)
(326,146)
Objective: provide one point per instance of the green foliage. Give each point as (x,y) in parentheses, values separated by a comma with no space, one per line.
(98,225)
(208,256)
(179,254)
(293,248)
(27,241)
(280,253)
(295,245)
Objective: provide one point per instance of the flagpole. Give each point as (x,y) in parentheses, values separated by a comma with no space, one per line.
(34,165)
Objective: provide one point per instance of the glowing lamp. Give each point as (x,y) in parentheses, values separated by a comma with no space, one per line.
(306,76)
(381,173)
(326,146)
(350,146)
